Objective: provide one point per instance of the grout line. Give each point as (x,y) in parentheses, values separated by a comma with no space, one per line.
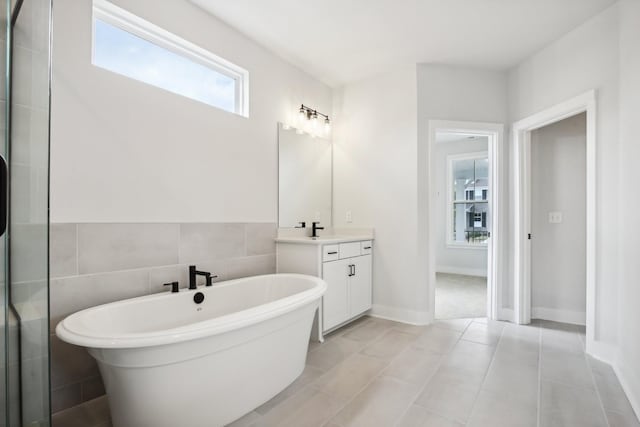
(484,378)
(440,363)
(595,386)
(539,402)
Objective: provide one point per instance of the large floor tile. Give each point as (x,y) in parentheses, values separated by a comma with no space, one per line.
(611,392)
(437,339)
(450,395)
(415,365)
(333,352)
(469,359)
(565,367)
(382,403)
(458,325)
(418,416)
(563,405)
(309,407)
(513,380)
(500,410)
(617,419)
(350,376)
(389,345)
(368,331)
(483,333)
(561,340)
(309,375)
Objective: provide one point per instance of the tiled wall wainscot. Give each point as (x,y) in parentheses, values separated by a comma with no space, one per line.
(93,264)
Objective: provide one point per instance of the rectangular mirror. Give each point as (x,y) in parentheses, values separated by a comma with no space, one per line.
(304,178)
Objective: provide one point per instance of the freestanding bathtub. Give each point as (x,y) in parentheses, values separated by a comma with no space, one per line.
(169,361)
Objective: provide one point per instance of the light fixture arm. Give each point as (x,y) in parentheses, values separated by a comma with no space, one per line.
(310,113)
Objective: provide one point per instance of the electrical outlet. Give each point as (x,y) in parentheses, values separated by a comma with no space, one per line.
(555,217)
(349,217)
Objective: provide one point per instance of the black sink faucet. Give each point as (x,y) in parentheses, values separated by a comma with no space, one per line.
(315,228)
(193,273)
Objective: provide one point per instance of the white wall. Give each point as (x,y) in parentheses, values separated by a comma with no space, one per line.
(558,250)
(376,176)
(584,59)
(470,260)
(124,151)
(458,94)
(628,362)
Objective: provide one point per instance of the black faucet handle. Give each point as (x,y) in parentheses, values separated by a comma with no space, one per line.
(303,224)
(210,278)
(175,286)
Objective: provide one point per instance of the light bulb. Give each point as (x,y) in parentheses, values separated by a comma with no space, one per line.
(327,126)
(314,120)
(301,114)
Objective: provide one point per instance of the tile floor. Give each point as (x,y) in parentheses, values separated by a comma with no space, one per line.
(459,296)
(453,373)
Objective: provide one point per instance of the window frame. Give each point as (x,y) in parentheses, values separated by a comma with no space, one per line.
(111,14)
(450,243)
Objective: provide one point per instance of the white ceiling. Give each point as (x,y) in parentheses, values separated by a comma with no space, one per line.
(340,41)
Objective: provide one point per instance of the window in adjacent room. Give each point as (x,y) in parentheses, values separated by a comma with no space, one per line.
(130,46)
(468,189)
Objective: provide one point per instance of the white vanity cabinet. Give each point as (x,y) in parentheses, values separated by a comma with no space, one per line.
(344,264)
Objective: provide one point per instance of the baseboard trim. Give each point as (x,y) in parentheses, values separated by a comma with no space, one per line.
(403,315)
(506,314)
(461,270)
(564,316)
(630,384)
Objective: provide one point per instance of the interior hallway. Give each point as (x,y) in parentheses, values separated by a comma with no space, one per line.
(459,296)
(453,373)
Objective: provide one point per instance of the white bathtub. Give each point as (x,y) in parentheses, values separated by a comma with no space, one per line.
(167,361)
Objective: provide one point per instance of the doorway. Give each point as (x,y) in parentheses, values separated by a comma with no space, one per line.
(464,212)
(523,132)
(558,221)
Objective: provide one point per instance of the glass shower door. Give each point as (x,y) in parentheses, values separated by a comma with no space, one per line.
(26,256)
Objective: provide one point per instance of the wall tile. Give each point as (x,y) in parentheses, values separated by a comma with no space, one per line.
(251,266)
(71,294)
(201,242)
(70,364)
(65,397)
(112,247)
(63,251)
(92,388)
(261,238)
(158,276)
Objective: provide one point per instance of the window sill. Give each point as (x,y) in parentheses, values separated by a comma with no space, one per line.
(466,246)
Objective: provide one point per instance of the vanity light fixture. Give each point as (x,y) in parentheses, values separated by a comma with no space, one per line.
(308,120)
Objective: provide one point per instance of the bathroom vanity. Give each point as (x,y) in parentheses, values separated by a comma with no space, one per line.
(344,262)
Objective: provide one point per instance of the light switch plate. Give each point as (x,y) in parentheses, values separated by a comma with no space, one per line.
(555,217)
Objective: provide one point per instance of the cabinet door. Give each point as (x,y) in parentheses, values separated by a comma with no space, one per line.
(335,302)
(360,285)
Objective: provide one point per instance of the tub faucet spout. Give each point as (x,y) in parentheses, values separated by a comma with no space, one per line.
(193,273)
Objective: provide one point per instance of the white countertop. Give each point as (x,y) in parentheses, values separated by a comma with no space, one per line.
(322,240)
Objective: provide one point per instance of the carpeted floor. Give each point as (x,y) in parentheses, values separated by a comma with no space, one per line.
(459,296)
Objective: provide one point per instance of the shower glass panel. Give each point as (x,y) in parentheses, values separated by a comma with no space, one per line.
(25,259)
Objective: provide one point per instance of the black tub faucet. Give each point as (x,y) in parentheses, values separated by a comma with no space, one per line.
(193,273)
(315,228)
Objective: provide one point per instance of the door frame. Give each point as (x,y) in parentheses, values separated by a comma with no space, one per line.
(521,196)
(495,249)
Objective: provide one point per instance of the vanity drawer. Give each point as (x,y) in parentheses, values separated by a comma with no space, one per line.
(330,252)
(366,247)
(348,250)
